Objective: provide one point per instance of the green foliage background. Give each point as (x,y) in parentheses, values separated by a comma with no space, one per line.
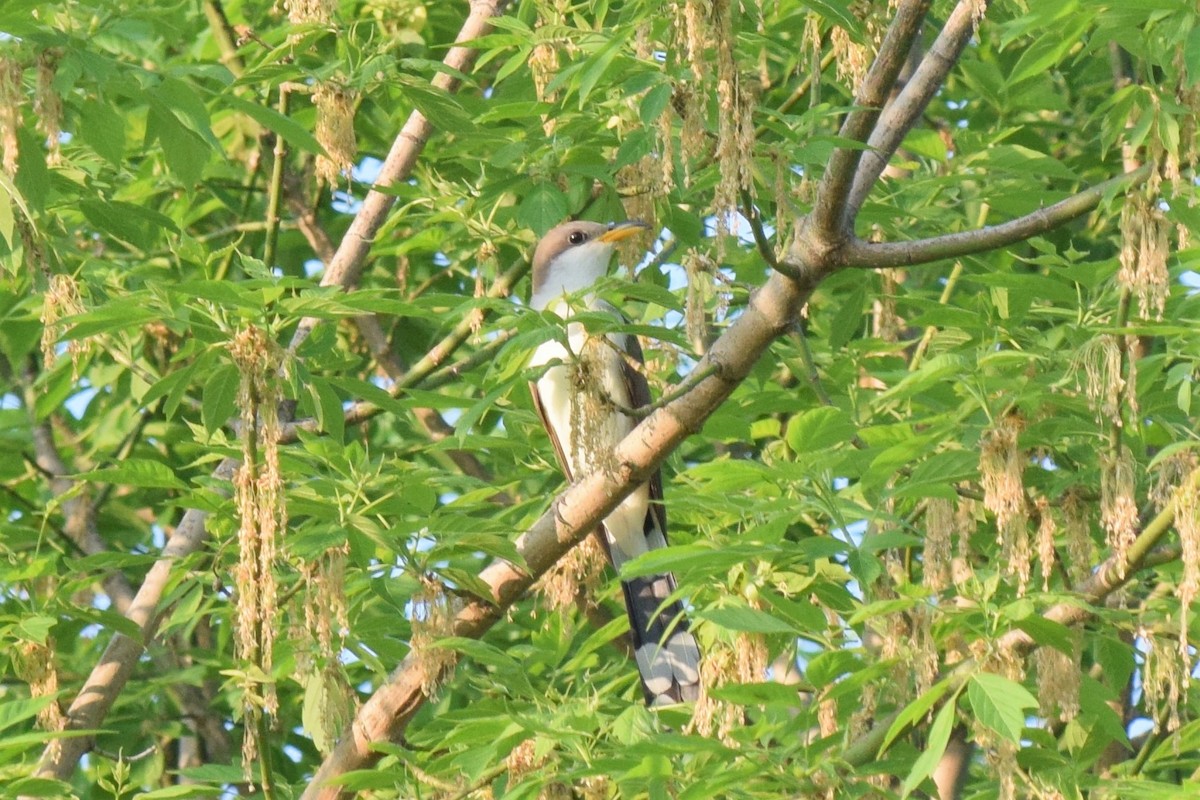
(158,210)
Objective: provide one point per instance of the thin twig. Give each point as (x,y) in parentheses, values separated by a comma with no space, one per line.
(752,215)
(947,293)
(802,88)
(275,187)
(225,35)
(810,368)
(680,389)
(931,330)
(478,783)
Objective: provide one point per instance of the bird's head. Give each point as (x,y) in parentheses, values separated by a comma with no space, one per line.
(574,255)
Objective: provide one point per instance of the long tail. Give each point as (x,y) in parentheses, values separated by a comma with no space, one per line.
(668,657)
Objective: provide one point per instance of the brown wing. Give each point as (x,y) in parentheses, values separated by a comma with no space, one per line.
(639,396)
(558,447)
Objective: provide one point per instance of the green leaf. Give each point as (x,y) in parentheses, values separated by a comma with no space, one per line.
(936,475)
(21,709)
(935,748)
(186,152)
(1049,48)
(33,177)
(932,372)
(745,619)
(9,201)
(830,666)
(1048,633)
(748,694)
(292,132)
(803,616)
(38,787)
(543,207)
(1017,158)
(325,710)
(703,558)
(655,102)
(182,790)
(882,608)
(125,221)
(916,711)
(219,401)
(819,429)
(646,292)
(120,314)
(597,65)
(140,472)
(1000,704)
(330,415)
(848,318)
(23,742)
(214,773)
(1115,659)
(37,627)
(1191,54)
(103,129)
(443,110)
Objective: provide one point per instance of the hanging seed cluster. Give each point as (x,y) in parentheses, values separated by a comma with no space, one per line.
(262,514)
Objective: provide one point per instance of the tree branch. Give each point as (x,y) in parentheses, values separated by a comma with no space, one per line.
(829,221)
(902,113)
(109,676)
(226,37)
(347,263)
(867,255)
(761,241)
(1110,575)
(571,517)
(79,513)
(275,186)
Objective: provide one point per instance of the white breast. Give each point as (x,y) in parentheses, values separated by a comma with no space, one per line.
(567,401)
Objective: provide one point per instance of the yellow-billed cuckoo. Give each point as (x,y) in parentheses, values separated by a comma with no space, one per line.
(585,429)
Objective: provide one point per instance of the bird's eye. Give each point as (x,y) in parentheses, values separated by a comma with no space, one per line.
(577,237)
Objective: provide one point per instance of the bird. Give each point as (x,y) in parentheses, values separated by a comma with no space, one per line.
(579,397)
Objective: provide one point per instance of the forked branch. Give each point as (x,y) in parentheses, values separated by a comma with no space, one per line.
(906,109)
(829,221)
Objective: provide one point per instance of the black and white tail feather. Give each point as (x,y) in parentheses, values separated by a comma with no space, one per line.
(667,655)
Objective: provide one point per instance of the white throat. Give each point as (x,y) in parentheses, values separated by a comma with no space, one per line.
(573,270)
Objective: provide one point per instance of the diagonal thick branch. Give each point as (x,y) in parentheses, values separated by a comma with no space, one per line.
(109,676)
(572,517)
